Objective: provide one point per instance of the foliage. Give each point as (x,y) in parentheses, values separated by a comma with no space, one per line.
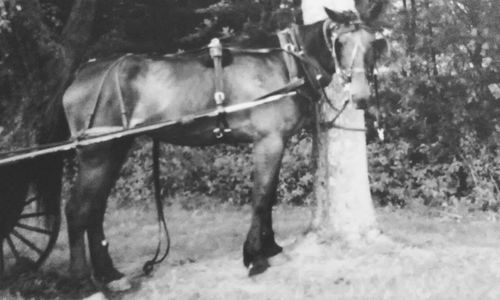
(223,172)
(440,112)
(439,92)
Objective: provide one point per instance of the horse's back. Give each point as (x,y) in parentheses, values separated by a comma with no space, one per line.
(169,88)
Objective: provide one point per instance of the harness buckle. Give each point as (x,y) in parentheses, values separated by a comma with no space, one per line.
(381,134)
(219,98)
(290,48)
(215,47)
(222,127)
(218,133)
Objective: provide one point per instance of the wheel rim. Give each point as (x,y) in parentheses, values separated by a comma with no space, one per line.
(30,238)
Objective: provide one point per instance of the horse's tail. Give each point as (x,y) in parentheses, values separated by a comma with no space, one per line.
(40,176)
(48,173)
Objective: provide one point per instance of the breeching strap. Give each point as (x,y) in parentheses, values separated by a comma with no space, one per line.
(96,101)
(162,224)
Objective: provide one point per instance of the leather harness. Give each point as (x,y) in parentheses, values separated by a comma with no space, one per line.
(292,54)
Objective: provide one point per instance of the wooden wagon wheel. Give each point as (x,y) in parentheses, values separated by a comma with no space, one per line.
(28,230)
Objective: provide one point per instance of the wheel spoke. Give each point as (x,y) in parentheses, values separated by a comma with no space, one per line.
(29,234)
(13,248)
(33,215)
(30,200)
(33,228)
(2,267)
(27,242)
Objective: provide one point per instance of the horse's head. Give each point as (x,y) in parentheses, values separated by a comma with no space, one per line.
(354,48)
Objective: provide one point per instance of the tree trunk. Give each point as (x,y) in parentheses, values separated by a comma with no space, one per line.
(412,35)
(75,37)
(58,54)
(344,205)
(57,57)
(313,11)
(429,42)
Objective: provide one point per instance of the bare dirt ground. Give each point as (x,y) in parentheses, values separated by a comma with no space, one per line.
(431,255)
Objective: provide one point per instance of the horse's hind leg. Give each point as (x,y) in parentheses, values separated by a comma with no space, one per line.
(260,243)
(99,166)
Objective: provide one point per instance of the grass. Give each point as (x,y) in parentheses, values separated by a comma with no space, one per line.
(431,255)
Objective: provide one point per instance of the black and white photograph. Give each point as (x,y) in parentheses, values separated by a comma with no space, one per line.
(250,149)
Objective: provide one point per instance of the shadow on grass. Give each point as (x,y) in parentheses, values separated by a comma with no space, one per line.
(44,285)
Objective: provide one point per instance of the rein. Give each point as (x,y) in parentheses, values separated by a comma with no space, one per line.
(162,223)
(379,121)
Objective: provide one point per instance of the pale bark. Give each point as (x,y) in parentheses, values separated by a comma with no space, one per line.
(344,205)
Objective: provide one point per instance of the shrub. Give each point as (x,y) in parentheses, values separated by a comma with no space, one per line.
(221,171)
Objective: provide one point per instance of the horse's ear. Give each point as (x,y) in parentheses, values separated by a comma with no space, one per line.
(370,10)
(380,48)
(362,6)
(339,17)
(376,10)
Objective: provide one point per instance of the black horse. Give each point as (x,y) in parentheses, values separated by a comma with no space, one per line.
(135,90)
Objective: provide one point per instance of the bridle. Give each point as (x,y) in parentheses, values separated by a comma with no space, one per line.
(331,33)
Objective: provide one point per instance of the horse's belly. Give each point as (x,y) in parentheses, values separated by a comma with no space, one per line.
(246,126)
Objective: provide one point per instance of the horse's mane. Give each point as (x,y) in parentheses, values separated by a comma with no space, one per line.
(252,40)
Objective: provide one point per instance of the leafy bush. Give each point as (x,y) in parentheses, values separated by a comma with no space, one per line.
(223,172)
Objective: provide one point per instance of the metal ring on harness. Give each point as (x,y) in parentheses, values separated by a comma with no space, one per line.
(222,127)
(219,98)
(290,48)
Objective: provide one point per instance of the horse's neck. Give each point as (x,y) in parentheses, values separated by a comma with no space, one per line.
(256,39)
(314,45)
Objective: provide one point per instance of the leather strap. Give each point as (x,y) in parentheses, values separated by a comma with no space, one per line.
(290,45)
(121,103)
(222,127)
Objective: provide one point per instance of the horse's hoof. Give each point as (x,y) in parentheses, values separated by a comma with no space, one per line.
(272,250)
(109,276)
(258,267)
(121,285)
(279,259)
(247,257)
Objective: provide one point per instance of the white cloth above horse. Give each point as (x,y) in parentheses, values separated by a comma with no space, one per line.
(313,10)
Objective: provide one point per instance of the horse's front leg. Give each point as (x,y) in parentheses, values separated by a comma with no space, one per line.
(260,243)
